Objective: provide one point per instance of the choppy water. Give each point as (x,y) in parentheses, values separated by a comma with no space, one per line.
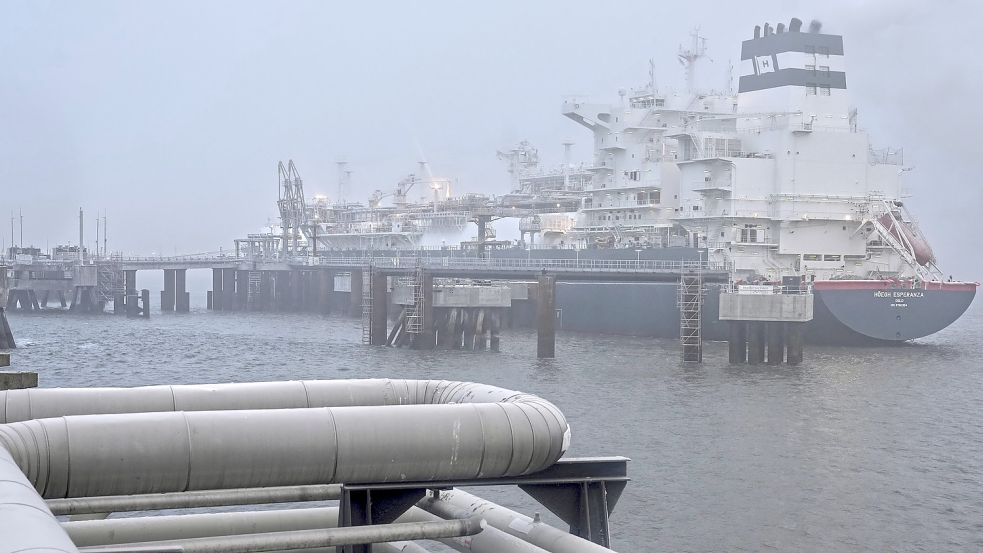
(877,449)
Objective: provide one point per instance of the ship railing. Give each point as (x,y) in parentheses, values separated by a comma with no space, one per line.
(767,289)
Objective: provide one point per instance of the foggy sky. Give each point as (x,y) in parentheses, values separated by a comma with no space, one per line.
(171,116)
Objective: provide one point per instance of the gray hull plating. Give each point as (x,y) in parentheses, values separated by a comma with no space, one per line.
(841,317)
(850,316)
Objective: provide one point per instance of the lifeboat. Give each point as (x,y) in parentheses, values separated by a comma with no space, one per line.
(909,236)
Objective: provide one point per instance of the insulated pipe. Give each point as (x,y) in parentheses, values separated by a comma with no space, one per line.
(26,524)
(307,539)
(191,500)
(431,430)
(458,504)
(40,403)
(184,451)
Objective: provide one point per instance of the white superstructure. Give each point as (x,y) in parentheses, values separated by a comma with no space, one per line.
(797,188)
(777,179)
(637,145)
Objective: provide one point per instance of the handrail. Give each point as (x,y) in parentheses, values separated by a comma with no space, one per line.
(415,261)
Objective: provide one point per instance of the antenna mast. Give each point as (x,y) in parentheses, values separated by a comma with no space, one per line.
(652,75)
(689,56)
(343,174)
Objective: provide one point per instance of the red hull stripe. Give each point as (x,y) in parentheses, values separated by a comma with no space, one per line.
(893,284)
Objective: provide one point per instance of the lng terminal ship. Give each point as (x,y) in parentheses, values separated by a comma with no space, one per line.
(776,181)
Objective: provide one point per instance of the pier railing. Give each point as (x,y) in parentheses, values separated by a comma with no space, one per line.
(415,262)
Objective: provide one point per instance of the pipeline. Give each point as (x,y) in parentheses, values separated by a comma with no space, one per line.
(173,527)
(41,403)
(309,539)
(427,430)
(460,504)
(212,437)
(193,500)
(25,521)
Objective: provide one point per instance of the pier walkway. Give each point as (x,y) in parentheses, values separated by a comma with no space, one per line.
(454,267)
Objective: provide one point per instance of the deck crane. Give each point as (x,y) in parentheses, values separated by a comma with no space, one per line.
(403,188)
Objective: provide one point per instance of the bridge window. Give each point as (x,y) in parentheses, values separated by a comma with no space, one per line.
(812,257)
(749,234)
(829,257)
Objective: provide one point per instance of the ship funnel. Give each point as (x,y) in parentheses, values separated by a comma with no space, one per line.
(815,26)
(767,29)
(757,31)
(780,28)
(795,25)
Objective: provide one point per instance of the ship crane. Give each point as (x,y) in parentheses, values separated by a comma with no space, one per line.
(402,190)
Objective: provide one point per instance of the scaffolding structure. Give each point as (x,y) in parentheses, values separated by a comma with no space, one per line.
(414,313)
(367,306)
(109,281)
(690,316)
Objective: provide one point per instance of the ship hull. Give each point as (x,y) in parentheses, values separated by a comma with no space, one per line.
(864,312)
(843,315)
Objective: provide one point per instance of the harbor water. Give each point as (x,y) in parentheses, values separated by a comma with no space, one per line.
(877,449)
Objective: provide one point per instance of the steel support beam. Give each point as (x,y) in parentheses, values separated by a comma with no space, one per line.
(365,506)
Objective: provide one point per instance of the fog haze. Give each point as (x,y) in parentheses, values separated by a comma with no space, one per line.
(171,116)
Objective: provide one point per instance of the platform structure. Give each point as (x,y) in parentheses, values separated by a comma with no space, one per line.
(449,313)
(357,285)
(767,322)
